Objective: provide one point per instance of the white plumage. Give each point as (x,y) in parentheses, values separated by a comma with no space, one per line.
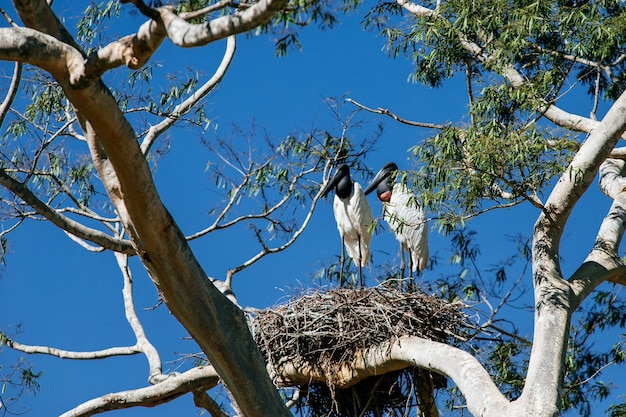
(407,221)
(354,221)
(354,217)
(404,215)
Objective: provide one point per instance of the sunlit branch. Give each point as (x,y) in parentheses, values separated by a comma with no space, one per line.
(8,100)
(386,112)
(576,59)
(30,46)
(15,226)
(136,49)
(596,97)
(206,10)
(89,214)
(154,360)
(416,9)
(65,223)
(184,34)
(580,174)
(199,378)
(603,262)
(483,397)
(183,108)
(68,354)
(83,244)
(69,116)
(612,181)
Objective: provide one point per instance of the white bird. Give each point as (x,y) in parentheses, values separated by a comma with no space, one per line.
(354,217)
(405,217)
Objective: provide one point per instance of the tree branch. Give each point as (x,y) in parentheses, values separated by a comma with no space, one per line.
(267,250)
(154,360)
(183,108)
(69,354)
(217,325)
(185,34)
(8,100)
(574,182)
(199,378)
(63,222)
(386,112)
(483,397)
(603,262)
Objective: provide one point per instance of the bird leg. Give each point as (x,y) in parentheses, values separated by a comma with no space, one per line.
(360,262)
(343,255)
(402,264)
(411,285)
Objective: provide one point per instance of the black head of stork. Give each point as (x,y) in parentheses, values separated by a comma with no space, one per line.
(383,182)
(341,183)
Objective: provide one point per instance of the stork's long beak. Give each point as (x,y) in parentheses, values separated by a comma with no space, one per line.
(382,174)
(331,184)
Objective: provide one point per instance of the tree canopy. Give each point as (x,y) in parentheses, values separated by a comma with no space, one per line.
(99,99)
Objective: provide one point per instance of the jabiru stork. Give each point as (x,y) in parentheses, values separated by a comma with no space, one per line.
(354,218)
(404,215)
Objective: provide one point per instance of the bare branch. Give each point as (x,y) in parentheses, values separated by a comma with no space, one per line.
(154,360)
(132,50)
(578,176)
(386,112)
(267,250)
(199,378)
(183,108)
(68,354)
(8,100)
(85,245)
(65,223)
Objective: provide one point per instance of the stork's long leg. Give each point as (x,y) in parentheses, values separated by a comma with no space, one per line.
(402,264)
(360,262)
(410,265)
(343,257)
(411,284)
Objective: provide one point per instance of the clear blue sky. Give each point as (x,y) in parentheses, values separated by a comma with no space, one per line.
(68,298)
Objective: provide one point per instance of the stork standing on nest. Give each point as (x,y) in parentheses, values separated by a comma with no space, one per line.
(354,218)
(405,217)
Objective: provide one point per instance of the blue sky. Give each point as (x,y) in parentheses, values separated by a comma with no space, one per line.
(68,298)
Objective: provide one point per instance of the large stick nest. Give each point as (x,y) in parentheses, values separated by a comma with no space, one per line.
(326,328)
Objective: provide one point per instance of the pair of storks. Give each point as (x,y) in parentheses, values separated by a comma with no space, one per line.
(401,211)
